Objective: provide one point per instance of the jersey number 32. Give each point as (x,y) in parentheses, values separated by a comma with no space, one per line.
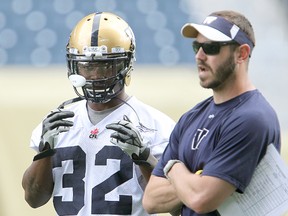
(75,181)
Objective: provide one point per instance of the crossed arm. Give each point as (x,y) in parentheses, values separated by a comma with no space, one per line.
(201,193)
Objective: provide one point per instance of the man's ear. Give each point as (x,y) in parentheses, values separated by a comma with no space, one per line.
(244,52)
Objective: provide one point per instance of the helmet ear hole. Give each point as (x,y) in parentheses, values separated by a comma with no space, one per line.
(128,78)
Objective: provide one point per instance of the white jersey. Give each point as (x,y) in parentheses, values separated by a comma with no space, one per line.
(93,176)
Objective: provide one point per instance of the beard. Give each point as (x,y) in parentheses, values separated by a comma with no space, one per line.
(222,74)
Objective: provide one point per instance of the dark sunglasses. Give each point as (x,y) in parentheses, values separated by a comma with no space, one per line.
(210,48)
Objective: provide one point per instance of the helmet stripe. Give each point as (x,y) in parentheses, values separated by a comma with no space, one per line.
(95,29)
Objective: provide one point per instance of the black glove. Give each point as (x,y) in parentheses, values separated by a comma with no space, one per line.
(52,125)
(129,139)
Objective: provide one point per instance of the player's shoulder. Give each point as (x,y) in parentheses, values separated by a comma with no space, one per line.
(79,105)
(142,107)
(148,111)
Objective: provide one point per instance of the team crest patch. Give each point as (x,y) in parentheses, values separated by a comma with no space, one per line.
(94,133)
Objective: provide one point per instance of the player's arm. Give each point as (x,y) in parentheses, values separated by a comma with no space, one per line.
(201,193)
(146,171)
(37,180)
(128,138)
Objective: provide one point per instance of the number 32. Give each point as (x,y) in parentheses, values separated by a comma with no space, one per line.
(75,181)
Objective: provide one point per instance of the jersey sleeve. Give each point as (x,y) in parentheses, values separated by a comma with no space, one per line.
(156,126)
(242,144)
(161,138)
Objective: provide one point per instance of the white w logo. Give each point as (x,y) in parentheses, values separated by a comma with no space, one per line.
(209,19)
(198,137)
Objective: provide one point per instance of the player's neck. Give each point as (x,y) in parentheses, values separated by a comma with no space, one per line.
(112,103)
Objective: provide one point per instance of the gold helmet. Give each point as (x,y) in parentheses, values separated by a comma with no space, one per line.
(100,55)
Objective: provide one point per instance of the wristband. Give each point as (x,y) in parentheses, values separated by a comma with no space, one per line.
(169,165)
(142,158)
(43,154)
(150,162)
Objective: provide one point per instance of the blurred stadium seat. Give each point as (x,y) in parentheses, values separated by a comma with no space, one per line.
(35,31)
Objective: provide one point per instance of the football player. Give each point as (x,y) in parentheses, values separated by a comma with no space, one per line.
(95,153)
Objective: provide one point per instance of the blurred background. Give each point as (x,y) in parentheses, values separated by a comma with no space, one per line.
(33,80)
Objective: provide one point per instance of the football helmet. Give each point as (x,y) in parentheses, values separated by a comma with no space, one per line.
(100,56)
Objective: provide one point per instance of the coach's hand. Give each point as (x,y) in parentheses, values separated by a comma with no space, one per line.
(52,125)
(128,138)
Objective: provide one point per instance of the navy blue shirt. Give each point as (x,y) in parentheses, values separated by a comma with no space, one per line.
(224,140)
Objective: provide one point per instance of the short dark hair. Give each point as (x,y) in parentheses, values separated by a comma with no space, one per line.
(238,19)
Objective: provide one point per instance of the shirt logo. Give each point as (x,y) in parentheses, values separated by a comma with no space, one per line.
(211,116)
(198,137)
(94,133)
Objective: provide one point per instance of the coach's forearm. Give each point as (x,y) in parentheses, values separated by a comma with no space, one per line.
(160,196)
(201,193)
(37,182)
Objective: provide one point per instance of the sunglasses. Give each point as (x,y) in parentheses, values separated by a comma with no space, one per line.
(210,48)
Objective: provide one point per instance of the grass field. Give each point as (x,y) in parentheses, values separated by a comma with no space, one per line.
(27,94)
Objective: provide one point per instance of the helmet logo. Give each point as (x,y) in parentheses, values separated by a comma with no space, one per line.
(117,50)
(95,50)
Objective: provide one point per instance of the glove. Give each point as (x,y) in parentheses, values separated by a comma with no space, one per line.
(128,138)
(52,125)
